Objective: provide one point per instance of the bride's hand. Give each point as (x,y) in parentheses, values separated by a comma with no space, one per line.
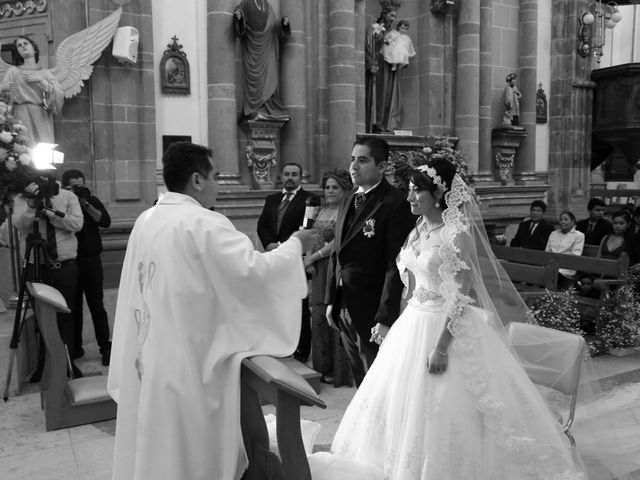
(378,333)
(437,363)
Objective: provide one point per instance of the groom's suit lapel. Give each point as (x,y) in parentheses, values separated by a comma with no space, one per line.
(369,208)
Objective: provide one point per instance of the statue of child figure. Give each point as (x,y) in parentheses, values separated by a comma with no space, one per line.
(397,46)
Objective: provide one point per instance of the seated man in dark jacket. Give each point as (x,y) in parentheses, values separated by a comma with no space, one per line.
(595,228)
(533,233)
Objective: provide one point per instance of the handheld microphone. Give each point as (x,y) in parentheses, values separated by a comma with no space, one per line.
(312,207)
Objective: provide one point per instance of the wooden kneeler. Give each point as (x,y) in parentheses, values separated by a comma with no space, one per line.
(268,379)
(66,403)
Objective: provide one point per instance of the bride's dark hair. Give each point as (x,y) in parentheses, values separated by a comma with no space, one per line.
(444,169)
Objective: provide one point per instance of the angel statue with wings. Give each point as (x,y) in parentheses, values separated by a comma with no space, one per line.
(36,93)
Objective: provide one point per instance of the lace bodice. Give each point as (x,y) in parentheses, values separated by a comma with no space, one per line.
(423,269)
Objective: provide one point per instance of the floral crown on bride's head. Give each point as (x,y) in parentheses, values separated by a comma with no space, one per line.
(431,173)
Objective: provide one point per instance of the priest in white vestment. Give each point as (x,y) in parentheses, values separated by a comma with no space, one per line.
(195,298)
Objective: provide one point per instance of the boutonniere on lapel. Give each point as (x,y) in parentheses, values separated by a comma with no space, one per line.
(369,229)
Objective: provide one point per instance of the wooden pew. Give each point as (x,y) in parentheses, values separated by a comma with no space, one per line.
(617,269)
(66,403)
(270,380)
(532,280)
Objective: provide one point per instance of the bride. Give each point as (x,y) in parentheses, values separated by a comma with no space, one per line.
(446,398)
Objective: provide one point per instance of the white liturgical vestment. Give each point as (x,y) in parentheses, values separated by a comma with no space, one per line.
(195,298)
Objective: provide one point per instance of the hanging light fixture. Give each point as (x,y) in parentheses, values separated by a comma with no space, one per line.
(593,24)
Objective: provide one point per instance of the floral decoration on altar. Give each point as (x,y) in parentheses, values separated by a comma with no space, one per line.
(16,169)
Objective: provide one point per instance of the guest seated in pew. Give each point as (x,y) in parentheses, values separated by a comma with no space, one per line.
(534,232)
(621,239)
(566,240)
(595,227)
(195,299)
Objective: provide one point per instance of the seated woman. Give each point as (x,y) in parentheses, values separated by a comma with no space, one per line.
(329,357)
(620,240)
(566,240)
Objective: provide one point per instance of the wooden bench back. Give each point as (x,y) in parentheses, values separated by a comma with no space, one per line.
(596,266)
(543,276)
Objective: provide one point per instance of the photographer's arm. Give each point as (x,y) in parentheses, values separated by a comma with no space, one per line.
(98,212)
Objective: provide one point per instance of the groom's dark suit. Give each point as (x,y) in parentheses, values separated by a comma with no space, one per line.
(363,277)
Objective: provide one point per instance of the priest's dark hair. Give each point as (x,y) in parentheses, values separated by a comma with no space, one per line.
(183,159)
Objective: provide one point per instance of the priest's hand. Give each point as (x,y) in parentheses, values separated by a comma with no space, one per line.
(308,238)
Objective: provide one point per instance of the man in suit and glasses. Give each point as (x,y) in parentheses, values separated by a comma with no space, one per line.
(282,215)
(533,233)
(363,285)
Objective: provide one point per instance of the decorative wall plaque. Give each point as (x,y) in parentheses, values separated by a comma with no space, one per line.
(174,70)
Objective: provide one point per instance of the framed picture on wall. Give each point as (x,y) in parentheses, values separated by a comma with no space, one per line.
(174,70)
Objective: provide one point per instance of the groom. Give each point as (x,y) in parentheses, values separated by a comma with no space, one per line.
(364,286)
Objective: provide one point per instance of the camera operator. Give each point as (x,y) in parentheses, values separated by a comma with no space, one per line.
(59,216)
(89,266)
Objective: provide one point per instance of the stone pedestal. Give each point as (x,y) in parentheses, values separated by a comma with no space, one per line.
(505,142)
(262,151)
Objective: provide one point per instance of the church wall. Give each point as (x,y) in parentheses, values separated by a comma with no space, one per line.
(181,114)
(108,130)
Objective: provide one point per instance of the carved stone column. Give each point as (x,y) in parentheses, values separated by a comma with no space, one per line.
(505,143)
(467,120)
(341,80)
(527,76)
(570,111)
(221,96)
(485,169)
(263,145)
(293,84)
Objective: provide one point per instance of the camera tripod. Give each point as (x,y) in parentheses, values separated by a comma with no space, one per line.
(35,244)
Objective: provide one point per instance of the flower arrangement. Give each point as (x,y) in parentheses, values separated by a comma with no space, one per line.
(618,324)
(558,310)
(443,148)
(15,160)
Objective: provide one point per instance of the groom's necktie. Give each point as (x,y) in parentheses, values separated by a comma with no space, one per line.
(359,199)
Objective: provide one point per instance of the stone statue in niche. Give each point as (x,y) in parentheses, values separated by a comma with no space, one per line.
(511,98)
(261,34)
(35,93)
(382,93)
(541,105)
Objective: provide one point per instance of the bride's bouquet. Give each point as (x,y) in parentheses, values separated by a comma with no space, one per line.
(16,169)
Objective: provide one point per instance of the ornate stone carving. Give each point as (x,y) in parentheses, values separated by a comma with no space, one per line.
(505,163)
(262,151)
(261,165)
(505,142)
(19,8)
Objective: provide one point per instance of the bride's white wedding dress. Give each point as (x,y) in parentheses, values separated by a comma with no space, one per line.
(481,420)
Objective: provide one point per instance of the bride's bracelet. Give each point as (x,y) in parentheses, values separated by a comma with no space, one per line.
(439,352)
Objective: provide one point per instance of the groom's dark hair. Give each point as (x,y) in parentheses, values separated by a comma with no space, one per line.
(378,148)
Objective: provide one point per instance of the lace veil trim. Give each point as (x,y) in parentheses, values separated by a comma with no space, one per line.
(508,433)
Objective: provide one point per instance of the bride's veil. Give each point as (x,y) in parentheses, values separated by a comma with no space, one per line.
(472,276)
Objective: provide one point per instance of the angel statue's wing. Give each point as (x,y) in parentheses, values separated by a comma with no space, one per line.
(4,66)
(76,54)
